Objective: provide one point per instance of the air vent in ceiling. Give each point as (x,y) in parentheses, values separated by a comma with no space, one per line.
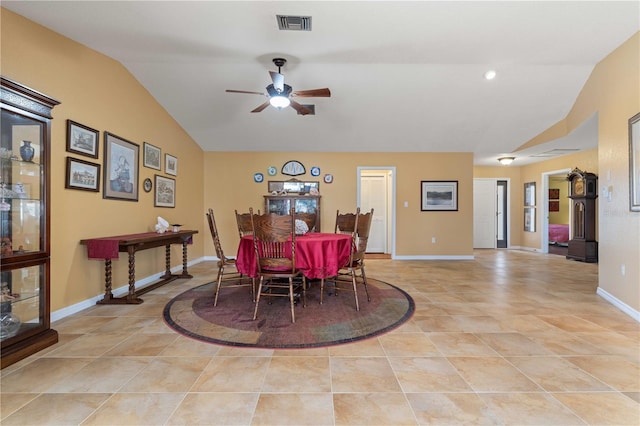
(294,23)
(311,108)
(556,152)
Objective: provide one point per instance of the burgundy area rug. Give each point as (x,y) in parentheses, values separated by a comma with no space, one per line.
(334,322)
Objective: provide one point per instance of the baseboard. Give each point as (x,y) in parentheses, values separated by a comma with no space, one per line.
(120,291)
(619,304)
(436,257)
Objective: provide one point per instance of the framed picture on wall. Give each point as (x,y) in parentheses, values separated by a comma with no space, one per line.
(554,206)
(121,159)
(530,194)
(634,163)
(152,156)
(170,165)
(439,195)
(82,175)
(530,219)
(165,194)
(82,140)
(554,193)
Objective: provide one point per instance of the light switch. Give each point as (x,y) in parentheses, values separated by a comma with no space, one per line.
(406,204)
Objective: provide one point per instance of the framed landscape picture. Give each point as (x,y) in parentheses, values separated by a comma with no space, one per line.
(82,175)
(439,195)
(165,194)
(152,156)
(82,140)
(530,219)
(121,159)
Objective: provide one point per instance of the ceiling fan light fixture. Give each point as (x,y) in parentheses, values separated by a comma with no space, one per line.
(279,101)
(505,161)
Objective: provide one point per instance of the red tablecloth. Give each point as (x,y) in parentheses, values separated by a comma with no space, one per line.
(318,255)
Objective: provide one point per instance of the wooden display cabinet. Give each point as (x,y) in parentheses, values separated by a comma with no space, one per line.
(24,222)
(282,204)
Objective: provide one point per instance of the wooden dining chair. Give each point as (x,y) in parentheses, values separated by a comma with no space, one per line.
(226,276)
(274,241)
(244,223)
(359,226)
(309,219)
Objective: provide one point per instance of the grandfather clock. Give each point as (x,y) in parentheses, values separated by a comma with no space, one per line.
(583,193)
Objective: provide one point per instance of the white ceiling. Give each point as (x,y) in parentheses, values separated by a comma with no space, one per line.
(404,76)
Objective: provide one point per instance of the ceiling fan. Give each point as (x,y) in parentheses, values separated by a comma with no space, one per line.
(280,94)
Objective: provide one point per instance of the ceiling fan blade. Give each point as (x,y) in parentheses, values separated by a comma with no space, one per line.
(244,91)
(278,80)
(302,110)
(313,93)
(261,107)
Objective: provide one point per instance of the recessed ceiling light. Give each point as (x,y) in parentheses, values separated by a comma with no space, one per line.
(490,75)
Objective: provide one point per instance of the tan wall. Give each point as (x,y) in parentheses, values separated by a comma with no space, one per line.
(98,92)
(613,91)
(230,185)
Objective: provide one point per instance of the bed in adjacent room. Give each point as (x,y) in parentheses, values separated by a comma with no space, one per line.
(558,233)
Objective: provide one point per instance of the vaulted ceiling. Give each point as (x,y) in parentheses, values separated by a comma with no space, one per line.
(404,76)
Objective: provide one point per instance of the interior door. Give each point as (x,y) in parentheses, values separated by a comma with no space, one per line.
(374,194)
(484,213)
(501,214)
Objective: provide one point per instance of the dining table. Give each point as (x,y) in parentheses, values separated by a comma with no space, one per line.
(318,254)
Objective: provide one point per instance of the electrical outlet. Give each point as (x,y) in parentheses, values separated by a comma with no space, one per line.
(433,240)
(622,270)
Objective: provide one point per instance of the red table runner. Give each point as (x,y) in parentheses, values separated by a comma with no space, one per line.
(318,255)
(108,247)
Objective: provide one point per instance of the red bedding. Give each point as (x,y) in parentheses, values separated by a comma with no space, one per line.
(558,233)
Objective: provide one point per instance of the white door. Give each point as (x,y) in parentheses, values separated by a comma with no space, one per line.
(374,194)
(484,213)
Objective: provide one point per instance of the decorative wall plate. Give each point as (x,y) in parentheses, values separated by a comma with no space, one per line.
(293,168)
(258,177)
(147,185)
(272,171)
(315,171)
(328,178)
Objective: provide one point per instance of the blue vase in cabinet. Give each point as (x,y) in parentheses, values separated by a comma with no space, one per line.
(26,151)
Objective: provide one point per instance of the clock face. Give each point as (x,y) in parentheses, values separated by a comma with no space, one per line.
(293,168)
(578,186)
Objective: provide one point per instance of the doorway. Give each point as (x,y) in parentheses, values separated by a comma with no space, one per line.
(555,212)
(491,213)
(376,189)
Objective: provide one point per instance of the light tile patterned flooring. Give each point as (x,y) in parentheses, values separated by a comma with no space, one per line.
(510,338)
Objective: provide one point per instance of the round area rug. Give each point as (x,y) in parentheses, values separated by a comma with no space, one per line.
(334,322)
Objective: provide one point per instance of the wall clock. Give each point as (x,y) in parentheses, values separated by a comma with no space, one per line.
(293,168)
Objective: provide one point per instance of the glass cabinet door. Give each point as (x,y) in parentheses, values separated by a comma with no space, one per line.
(25,137)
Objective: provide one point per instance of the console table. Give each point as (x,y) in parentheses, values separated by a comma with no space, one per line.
(107,248)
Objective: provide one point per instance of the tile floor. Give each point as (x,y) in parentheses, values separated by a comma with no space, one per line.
(510,338)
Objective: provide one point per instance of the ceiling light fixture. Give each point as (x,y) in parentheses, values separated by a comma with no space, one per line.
(505,161)
(279,101)
(490,75)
